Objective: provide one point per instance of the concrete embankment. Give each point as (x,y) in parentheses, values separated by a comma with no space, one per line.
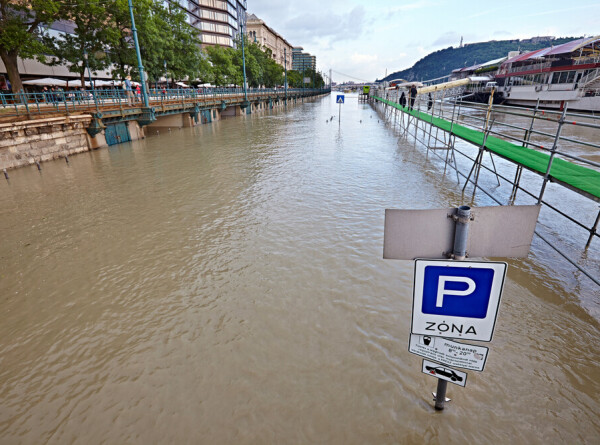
(24,143)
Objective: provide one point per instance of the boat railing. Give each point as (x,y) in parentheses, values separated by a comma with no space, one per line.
(586,60)
(537,66)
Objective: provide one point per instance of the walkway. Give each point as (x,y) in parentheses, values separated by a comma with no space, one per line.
(581,179)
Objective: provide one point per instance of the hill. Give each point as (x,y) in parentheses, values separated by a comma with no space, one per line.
(442,62)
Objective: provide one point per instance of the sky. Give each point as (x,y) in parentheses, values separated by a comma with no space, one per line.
(361,40)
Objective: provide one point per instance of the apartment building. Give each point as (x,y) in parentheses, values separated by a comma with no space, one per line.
(302,61)
(220,21)
(258,31)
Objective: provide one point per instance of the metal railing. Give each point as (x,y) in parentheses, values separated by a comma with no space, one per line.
(27,104)
(519,125)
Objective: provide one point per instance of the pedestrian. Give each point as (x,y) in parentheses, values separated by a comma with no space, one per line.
(412,96)
(402,100)
(127,88)
(138,93)
(429,102)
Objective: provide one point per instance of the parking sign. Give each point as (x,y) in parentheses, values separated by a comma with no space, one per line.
(457,299)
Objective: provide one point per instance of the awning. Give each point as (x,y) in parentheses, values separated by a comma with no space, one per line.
(46,82)
(574,45)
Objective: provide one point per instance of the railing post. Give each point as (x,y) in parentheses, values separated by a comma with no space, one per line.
(553,152)
(24,100)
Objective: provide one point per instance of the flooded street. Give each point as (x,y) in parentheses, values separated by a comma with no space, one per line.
(224,284)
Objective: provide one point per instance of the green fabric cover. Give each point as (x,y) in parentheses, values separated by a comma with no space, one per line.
(577,176)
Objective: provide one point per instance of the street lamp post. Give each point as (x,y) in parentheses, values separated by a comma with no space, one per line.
(85,57)
(285,65)
(166,78)
(244,66)
(139,56)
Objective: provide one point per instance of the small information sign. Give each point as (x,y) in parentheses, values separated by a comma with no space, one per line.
(340,99)
(444,373)
(449,352)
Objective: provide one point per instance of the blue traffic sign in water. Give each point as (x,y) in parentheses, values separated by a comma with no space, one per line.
(340,99)
(457,291)
(457,299)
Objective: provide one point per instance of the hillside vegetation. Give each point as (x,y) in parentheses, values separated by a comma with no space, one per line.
(442,62)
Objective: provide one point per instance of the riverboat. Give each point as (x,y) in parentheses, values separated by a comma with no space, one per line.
(567,74)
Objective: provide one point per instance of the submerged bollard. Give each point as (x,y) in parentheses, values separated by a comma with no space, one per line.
(5,174)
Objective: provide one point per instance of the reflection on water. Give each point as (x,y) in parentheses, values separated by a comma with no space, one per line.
(225,284)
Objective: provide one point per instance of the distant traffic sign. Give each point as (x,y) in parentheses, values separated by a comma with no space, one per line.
(449,352)
(444,373)
(457,299)
(340,99)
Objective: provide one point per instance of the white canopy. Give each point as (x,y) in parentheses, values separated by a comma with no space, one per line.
(105,83)
(77,83)
(181,84)
(46,81)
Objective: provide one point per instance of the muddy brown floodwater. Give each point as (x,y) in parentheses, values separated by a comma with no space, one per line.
(225,285)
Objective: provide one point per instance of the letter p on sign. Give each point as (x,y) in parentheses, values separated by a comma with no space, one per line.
(457,291)
(442,279)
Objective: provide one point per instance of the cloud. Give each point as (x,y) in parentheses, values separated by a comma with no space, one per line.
(447,38)
(409,7)
(315,26)
(364,58)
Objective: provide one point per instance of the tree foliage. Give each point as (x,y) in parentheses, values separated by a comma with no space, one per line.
(102,32)
(20,32)
(88,40)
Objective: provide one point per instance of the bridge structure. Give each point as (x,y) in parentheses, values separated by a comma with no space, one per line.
(115,105)
(38,127)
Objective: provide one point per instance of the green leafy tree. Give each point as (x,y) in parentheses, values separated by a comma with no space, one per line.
(164,37)
(20,22)
(223,69)
(88,39)
(294,78)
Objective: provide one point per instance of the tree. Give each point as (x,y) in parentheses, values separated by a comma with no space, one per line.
(164,37)
(20,33)
(223,68)
(88,39)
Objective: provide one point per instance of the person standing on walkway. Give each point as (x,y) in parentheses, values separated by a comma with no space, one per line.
(128,91)
(412,96)
(402,100)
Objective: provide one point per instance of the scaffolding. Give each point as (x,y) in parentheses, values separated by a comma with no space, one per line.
(441,116)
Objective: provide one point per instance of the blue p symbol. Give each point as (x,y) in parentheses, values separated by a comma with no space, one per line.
(457,291)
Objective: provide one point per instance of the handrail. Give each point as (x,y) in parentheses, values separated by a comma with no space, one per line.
(66,102)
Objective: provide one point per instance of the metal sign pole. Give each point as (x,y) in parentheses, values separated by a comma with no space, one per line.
(459,252)
(340,114)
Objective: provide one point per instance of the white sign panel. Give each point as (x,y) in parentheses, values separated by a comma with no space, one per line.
(457,299)
(443,372)
(500,231)
(449,352)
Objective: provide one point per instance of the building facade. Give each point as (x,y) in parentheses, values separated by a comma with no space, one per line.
(258,31)
(220,22)
(302,61)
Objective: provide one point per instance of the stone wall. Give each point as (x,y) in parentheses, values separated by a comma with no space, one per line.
(24,143)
